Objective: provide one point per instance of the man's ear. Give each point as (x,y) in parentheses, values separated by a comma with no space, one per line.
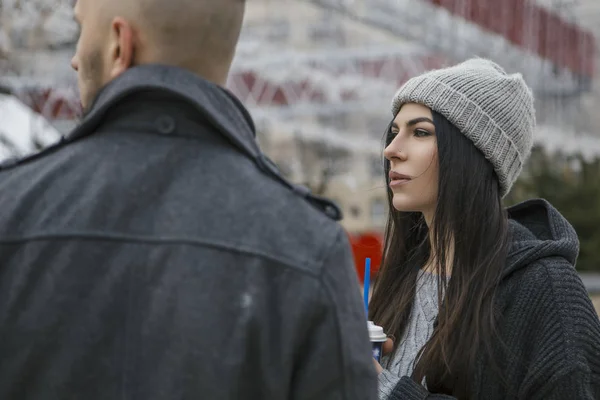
(121,46)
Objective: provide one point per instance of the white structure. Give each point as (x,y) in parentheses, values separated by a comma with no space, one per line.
(21,128)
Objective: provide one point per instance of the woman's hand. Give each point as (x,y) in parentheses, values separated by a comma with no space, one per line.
(387,348)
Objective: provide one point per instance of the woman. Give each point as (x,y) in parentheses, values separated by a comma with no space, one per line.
(485,302)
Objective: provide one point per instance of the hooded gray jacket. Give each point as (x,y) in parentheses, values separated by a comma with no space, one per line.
(155,253)
(548,323)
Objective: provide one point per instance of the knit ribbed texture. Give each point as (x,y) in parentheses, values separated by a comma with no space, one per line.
(408,389)
(548,323)
(493,109)
(418,332)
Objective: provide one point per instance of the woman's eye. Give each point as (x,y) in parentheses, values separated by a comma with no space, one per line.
(421,133)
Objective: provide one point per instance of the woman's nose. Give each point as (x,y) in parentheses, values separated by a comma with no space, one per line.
(394,150)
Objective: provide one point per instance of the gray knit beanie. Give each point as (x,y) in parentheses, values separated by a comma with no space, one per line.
(493,109)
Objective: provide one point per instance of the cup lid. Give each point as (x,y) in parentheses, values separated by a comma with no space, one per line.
(376,333)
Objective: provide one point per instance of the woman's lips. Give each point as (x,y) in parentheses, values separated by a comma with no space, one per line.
(397,179)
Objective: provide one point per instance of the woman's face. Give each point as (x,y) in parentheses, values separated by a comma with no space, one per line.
(412,153)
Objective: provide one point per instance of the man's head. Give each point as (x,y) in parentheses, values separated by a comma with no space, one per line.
(199,35)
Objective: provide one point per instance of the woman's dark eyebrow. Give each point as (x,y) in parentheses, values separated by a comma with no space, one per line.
(415,121)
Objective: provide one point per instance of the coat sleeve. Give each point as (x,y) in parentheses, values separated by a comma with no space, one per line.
(336,360)
(407,389)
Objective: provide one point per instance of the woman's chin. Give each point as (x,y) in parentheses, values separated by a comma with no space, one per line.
(404,203)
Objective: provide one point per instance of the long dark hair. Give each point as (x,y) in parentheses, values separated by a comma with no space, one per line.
(470,226)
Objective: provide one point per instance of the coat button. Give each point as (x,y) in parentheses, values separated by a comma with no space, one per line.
(332,212)
(165,124)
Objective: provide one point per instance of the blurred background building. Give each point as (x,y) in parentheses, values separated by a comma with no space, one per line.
(318,76)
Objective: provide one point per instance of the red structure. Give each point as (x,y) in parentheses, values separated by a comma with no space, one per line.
(531,27)
(51,103)
(252,85)
(367,245)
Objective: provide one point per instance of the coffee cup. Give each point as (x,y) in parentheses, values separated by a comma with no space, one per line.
(378,338)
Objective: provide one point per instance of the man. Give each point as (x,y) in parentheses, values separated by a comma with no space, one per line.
(155,253)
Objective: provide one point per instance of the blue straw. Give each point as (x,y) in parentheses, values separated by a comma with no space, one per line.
(367,282)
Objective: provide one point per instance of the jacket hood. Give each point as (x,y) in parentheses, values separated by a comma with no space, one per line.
(539,231)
